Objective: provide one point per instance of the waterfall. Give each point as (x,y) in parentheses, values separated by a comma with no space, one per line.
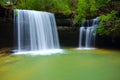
(87,34)
(35,32)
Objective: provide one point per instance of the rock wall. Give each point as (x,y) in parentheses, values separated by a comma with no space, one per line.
(6,32)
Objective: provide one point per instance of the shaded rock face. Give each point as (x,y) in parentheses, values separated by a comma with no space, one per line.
(108,42)
(6,12)
(6,33)
(6,27)
(2,11)
(68,36)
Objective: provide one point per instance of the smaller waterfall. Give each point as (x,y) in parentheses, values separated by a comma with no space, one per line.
(87,34)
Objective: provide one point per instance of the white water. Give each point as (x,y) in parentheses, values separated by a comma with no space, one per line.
(35,33)
(87,36)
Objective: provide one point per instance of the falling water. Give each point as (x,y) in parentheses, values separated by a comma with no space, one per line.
(35,32)
(87,34)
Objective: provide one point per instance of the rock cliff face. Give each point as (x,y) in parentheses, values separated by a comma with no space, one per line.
(6,26)
(6,33)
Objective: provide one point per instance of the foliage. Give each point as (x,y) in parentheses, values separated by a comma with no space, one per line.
(88,8)
(102,3)
(109,24)
(56,6)
(81,10)
(7,2)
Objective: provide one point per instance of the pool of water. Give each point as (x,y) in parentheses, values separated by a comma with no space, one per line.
(74,64)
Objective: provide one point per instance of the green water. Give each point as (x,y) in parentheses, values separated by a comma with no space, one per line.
(72,65)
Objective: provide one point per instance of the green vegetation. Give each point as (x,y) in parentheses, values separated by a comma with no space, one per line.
(56,6)
(89,8)
(80,8)
(109,25)
(7,2)
(74,64)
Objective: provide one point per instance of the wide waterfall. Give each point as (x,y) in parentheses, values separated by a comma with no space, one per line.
(87,34)
(35,33)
